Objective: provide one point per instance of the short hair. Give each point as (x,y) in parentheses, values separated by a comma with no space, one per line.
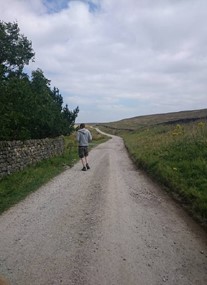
(82,126)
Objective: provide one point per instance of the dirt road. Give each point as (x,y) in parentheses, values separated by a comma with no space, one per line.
(108,226)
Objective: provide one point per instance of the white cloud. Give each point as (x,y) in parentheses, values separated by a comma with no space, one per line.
(117,58)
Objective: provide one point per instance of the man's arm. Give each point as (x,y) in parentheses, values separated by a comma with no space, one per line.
(77,137)
(89,136)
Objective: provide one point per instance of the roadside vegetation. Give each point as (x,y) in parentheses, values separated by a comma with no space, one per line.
(29,107)
(175,155)
(17,186)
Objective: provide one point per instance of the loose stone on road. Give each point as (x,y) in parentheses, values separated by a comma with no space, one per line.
(110,225)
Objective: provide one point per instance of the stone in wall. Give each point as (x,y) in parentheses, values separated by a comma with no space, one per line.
(16,155)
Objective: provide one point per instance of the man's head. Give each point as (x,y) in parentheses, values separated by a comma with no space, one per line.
(82,126)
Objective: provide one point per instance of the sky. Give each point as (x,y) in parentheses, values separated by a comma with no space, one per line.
(118,59)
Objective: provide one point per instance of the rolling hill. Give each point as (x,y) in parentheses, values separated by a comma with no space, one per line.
(149,120)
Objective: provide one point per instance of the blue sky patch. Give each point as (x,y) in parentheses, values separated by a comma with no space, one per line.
(54,6)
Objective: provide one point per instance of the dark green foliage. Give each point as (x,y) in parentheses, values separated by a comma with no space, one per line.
(29,109)
(15,49)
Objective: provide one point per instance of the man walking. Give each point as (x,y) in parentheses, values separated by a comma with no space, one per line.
(83,138)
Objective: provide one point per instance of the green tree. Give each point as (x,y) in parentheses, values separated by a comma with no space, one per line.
(16,109)
(69,117)
(57,97)
(15,50)
(50,118)
(28,108)
(46,111)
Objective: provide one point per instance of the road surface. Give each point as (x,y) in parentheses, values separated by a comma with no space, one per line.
(110,225)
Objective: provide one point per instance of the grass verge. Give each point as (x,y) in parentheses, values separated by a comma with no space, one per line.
(176,157)
(15,187)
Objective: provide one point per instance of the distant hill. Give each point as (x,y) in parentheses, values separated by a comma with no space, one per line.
(149,120)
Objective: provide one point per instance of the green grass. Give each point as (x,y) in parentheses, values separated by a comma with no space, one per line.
(176,157)
(17,186)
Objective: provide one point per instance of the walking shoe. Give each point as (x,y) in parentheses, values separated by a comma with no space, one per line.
(88,167)
(84,168)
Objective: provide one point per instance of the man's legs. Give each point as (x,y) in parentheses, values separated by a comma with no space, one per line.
(83,154)
(86,157)
(83,161)
(86,161)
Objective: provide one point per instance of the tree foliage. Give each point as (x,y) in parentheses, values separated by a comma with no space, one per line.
(15,49)
(29,108)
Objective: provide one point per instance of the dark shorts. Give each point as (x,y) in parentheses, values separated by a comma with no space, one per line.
(82,151)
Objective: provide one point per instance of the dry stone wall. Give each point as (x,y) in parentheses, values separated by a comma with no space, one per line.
(16,155)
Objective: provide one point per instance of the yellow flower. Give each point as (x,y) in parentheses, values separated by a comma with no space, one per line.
(201,124)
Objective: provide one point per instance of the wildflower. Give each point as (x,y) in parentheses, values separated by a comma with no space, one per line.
(201,124)
(175,134)
(178,130)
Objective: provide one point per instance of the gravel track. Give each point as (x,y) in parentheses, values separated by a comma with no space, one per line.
(110,225)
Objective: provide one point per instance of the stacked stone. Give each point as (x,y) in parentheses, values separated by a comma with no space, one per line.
(16,155)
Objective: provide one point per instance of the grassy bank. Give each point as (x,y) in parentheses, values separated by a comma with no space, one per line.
(176,156)
(17,186)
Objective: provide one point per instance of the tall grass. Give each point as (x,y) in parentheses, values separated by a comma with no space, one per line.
(15,187)
(176,156)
